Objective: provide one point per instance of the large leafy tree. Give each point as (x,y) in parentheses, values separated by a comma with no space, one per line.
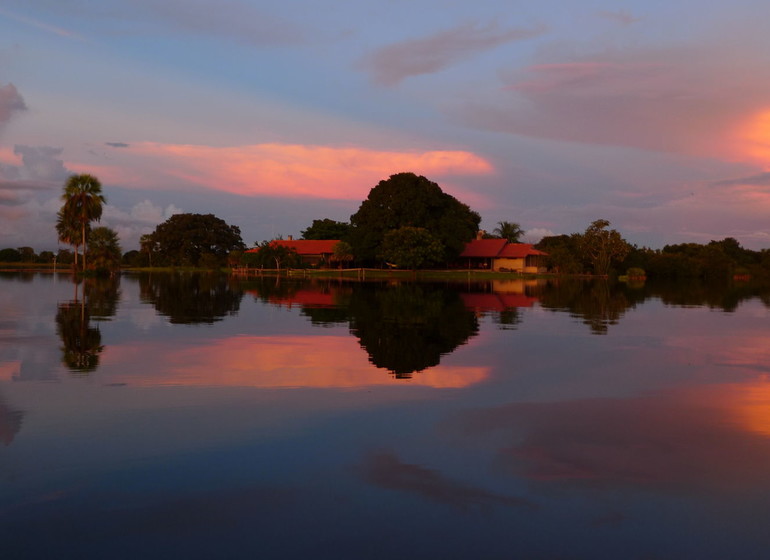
(411,247)
(275,254)
(509,230)
(602,246)
(83,202)
(409,200)
(184,239)
(326,229)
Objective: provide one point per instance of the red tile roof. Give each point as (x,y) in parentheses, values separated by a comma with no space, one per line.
(483,248)
(495,248)
(519,251)
(306,246)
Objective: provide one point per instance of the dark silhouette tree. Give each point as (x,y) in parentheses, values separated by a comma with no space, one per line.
(83,201)
(509,230)
(184,239)
(326,229)
(406,199)
(411,248)
(104,250)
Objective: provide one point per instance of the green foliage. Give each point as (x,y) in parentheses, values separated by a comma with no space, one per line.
(28,254)
(104,252)
(411,247)
(343,253)
(409,200)
(83,201)
(563,253)
(183,239)
(134,259)
(602,247)
(65,256)
(327,229)
(10,255)
(509,230)
(273,254)
(45,257)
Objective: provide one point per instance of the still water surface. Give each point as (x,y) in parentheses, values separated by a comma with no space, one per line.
(202,417)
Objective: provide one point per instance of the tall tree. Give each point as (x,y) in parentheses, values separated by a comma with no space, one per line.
(509,230)
(601,246)
(184,238)
(406,199)
(68,230)
(411,248)
(104,249)
(326,229)
(83,200)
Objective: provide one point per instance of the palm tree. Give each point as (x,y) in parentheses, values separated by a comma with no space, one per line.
(509,230)
(83,201)
(68,230)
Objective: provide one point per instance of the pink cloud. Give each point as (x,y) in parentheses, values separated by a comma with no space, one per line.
(60,31)
(390,65)
(682,100)
(11,102)
(621,16)
(283,170)
(712,437)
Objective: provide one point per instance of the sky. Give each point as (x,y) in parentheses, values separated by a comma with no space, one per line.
(653,115)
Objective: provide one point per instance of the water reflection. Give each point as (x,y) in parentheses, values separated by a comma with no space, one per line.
(386,470)
(713,437)
(10,422)
(81,343)
(405,328)
(191,298)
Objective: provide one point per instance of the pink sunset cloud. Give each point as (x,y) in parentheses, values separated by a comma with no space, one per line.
(677,99)
(392,64)
(282,170)
(11,102)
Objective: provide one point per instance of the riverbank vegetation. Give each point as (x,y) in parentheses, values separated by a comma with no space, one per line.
(407,226)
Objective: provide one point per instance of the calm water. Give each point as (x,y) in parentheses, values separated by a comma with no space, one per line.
(197,417)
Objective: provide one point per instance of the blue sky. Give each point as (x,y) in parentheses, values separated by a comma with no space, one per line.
(654,115)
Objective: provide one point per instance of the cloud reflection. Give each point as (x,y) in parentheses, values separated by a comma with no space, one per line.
(385,470)
(714,437)
(274,361)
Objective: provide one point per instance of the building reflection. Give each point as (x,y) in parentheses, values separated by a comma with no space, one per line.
(405,328)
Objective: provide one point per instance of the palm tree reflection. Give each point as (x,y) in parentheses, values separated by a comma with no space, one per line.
(82,343)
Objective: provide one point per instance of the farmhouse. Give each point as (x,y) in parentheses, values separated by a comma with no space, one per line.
(313,252)
(500,255)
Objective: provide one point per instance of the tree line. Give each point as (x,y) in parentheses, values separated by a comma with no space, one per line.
(406,221)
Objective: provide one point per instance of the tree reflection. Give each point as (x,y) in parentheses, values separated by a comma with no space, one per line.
(599,303)
(82,343)
(10,422)
(191,298)
(407,328)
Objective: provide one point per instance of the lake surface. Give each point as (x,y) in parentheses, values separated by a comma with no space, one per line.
(203,417)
